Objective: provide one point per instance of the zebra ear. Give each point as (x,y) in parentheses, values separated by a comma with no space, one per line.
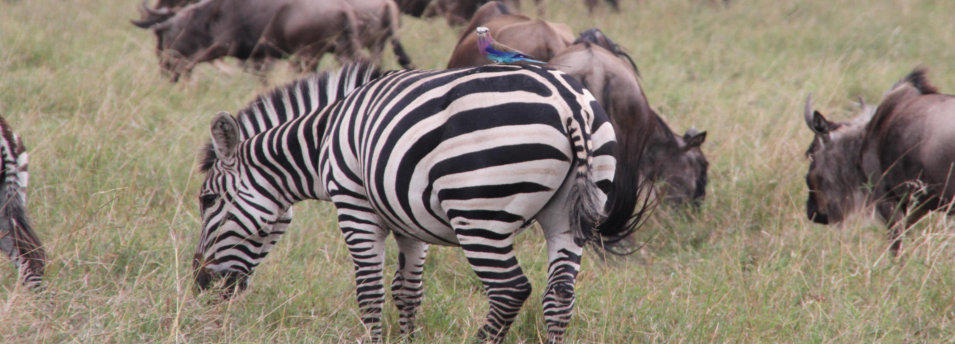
(225,135)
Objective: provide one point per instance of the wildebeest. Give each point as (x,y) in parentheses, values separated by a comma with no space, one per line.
(535,37)
(17,239)
(899,158)
(610,74)
(378,22)
(459,12)
(257,30)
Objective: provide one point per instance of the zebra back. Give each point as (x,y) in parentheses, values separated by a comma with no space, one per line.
(302,97)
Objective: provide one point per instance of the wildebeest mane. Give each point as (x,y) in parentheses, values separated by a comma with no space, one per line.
(918,79)
(912,85)
(597,37)
(301,97)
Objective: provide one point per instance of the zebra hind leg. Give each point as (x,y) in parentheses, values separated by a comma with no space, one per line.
(365,239)
(488,245)
(407,287)
(563,254)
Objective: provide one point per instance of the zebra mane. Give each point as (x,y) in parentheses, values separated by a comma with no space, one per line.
(302,97)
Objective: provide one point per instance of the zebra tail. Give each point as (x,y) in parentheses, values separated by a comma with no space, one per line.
(586,206)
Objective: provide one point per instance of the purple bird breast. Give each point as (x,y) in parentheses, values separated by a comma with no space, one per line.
(484,42)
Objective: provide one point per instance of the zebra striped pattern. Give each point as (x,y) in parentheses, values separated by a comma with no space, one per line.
(462,157)
(17,239)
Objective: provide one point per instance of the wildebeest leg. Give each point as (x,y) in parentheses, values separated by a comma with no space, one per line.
(407,287)
(392,16)
(347,46)
(216,50)
(260,68)
(310,55)
(919,205)
(892,211)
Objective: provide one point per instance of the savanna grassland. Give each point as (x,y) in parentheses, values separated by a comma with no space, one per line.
(113,191)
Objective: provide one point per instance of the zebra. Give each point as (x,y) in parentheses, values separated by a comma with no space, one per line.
(464,157)
(17,238)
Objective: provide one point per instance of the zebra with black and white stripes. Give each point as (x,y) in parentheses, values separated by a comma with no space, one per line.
(17,239)
(465,157)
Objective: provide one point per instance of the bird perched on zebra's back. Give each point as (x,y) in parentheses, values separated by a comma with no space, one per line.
(498,52)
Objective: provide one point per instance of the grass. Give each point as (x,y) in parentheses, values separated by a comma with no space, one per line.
(113,148)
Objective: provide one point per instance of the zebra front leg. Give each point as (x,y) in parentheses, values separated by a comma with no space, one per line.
(365,238)
(491,255)
(407,287)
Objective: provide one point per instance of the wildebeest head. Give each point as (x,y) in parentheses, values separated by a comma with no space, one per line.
(185,37)
(835,178)
(680,167)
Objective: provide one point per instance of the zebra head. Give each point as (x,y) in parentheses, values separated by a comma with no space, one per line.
(240,222)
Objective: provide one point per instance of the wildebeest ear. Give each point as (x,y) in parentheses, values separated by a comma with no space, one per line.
(820,124)
(225,135)
(693,138)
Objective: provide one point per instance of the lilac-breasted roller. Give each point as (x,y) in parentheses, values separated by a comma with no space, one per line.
(498,52)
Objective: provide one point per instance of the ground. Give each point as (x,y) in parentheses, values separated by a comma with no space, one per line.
(113,150)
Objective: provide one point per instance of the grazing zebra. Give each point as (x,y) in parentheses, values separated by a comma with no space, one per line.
(465,157)
(17,239)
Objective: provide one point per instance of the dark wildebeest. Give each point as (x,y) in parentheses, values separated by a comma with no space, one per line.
(610,74)
(535,37)
(17,239)
(258,30)
(900,160)
(459,12)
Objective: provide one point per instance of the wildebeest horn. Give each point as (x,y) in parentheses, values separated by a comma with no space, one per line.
(155,12)
(807,111)
(152,16)
(861,103)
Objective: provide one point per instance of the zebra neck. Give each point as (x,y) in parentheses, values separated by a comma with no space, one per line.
(283,162)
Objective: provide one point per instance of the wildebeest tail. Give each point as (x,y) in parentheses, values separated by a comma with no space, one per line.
(629,198)
(392,19)
(604,223)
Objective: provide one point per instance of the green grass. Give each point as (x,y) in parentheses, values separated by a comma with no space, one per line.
(113,148)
